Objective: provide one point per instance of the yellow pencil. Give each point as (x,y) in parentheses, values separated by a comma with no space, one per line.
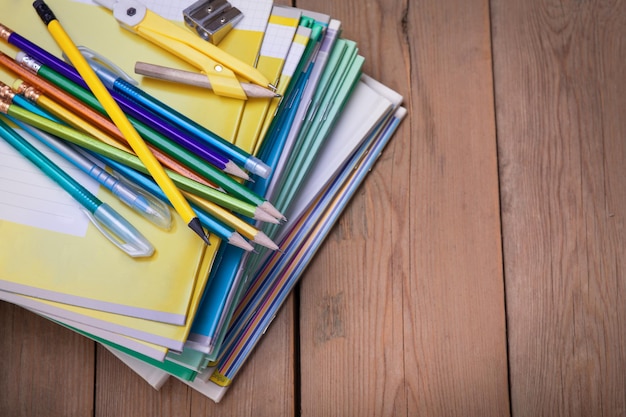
(119,118)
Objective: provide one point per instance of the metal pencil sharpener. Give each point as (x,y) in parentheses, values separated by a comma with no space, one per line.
(212,19)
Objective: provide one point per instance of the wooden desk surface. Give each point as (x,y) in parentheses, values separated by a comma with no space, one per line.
(478,272)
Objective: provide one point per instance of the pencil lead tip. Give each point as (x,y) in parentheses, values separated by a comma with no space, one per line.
(237,240)
(232,169)
(270,209)
(264,216)
(263,240)
(195,225)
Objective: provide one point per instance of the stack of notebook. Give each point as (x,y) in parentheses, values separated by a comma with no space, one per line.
(190,310)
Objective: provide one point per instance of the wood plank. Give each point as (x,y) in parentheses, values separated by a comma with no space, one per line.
(47,370)
(349,317)
(403,313)
(454,296)
(120,391)
(561,96)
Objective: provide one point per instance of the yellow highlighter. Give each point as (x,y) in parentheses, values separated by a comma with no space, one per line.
(221,68)
(119,118)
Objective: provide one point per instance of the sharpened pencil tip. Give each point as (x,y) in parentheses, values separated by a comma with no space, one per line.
(237,240)
(270,209)
(263,240)
(264,216)
(232,169)
(195,225)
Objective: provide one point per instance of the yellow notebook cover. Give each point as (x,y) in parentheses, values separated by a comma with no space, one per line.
(163,334)
(50,250)
(279,34)
(95,27)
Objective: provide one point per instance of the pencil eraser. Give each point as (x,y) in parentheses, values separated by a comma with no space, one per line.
(44,11)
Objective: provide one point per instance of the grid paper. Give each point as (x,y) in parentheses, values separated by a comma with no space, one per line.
(277,40)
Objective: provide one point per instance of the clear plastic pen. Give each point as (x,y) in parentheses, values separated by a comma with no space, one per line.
(110,223)
(138,199)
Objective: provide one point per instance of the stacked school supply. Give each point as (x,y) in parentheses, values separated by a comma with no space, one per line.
(258,143)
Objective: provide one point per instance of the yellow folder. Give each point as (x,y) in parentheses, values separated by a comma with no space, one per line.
(280,31)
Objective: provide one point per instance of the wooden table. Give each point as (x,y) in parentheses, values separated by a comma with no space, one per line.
(479,271)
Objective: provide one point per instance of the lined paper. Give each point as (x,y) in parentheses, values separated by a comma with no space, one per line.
(29,197)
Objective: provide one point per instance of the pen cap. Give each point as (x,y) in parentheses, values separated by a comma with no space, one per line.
(108,71)
(120,232)
(258,167)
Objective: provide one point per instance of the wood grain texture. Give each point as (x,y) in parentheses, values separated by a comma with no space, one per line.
(454,296)
(350,318)
(561,96)
(402,312)
(45,369)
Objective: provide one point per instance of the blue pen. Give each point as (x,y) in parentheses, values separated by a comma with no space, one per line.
(113,226)
(141,201)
